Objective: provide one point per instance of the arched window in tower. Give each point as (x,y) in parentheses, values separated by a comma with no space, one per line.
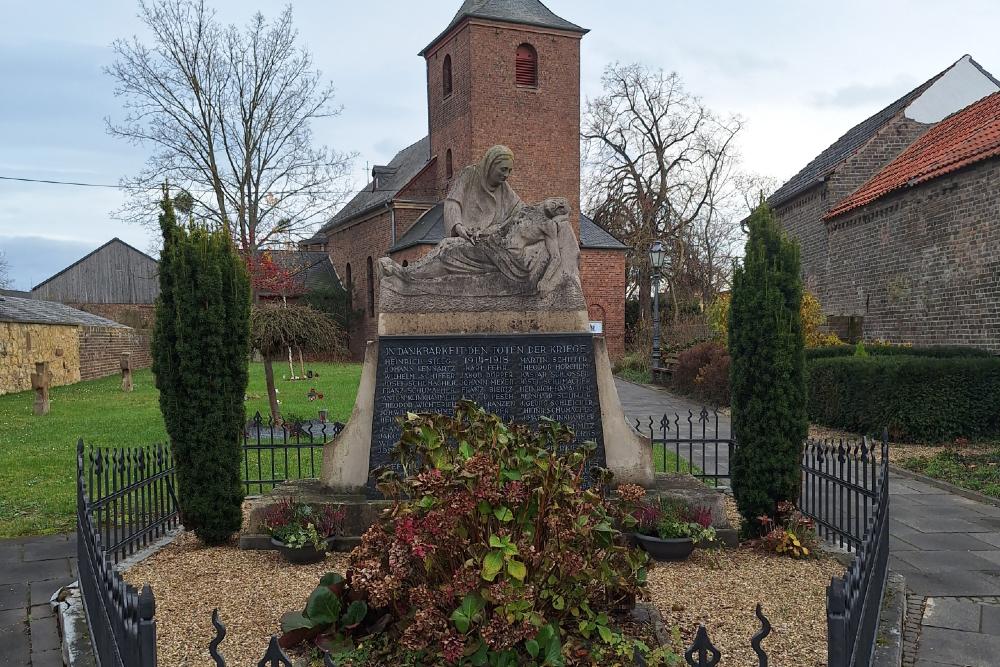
(350,288)
(371,288)
(448,171)
(526,66)
(446,76)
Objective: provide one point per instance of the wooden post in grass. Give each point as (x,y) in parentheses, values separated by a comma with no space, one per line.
(41,379)
(126,371)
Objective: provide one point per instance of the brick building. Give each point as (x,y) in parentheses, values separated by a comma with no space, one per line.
(502,72)
(899,222)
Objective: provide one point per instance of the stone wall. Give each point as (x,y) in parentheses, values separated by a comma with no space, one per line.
(21,345)
(101,349)
(923,265)
(140,316)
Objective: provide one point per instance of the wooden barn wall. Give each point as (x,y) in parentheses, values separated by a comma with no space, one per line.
(115,274)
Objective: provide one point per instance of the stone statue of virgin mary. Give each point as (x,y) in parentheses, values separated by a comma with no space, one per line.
(495,245)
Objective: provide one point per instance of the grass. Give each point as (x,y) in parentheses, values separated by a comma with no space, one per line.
(977,471)
(37,491)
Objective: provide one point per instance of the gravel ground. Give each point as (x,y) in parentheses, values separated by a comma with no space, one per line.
(252,589)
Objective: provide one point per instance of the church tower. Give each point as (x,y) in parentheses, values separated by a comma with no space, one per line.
(508,72)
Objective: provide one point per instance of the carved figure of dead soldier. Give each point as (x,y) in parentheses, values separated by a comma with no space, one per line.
(495,245)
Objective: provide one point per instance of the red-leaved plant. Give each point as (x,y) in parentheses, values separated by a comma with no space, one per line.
(495,552)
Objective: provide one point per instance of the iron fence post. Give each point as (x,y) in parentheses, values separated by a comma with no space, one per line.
(147,627)
(836,624)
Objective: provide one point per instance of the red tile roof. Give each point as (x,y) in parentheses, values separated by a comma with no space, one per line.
(969,136)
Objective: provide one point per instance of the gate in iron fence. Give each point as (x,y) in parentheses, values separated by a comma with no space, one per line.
(701,653)
(854,600)
(275,452)
(699,445)
(131,495)
(840,487)
(121,621)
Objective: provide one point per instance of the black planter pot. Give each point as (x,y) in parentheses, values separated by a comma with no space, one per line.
(300,555)
(677,548)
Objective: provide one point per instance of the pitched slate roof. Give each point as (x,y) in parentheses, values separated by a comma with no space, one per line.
(967,137)
(524,12)
(33,311)
(311,269)
(404,167)
(429,229)
(824,163)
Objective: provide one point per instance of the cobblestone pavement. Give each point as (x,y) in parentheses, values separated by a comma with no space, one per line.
(946,546)
(31,570)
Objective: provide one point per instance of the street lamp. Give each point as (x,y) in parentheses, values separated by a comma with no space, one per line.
(657,253)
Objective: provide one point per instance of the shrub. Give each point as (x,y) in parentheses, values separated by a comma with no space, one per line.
(918,399)
(788,533)
(875,349)
(702,372)
(498,555)
(766,343)
(200,353)
(810,311)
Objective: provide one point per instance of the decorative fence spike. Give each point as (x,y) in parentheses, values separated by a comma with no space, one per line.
(274,657)
(220,634)
(765,630)
(702,647)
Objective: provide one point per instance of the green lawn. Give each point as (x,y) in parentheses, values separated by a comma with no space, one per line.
(37,492)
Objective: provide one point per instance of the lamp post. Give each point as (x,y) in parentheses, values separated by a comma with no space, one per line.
(657,253)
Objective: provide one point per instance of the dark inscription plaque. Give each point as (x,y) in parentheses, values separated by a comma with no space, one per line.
(519,377)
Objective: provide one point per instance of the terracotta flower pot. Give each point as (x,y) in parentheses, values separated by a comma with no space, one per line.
(299,555)
(676,548)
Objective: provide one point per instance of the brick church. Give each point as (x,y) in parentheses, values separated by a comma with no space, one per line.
(899,219)
(502,72)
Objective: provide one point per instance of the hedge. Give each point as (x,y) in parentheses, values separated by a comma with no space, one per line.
(937,352)
(918,398)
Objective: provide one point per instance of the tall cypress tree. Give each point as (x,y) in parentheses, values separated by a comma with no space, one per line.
(767,347)
(201,347)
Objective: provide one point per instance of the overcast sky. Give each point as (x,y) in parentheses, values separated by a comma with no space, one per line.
(800,73)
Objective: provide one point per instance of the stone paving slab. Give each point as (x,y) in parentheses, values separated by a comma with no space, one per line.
(953,614)
(954,647)
(31,570)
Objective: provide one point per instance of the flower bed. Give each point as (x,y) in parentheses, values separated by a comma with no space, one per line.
(252,589)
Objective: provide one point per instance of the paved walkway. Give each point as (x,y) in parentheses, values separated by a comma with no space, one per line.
(947,547)
(31,570)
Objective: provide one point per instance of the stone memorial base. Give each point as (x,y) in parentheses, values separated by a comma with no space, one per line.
(551,367)
(360,512)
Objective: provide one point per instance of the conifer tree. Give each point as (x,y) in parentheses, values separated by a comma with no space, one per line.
(200,350)
(766,344)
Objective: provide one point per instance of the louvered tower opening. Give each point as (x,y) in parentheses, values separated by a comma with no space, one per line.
(446,76)
(526,66)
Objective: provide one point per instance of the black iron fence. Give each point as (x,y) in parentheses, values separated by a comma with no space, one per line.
(697,444)
(275,452)
(855,599)
(131,495)
(121,621)
(840,487)
(701,653)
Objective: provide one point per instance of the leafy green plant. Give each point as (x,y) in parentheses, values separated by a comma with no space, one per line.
(860,351)
(672,519)
(789,533)
(496,551)
(296,524)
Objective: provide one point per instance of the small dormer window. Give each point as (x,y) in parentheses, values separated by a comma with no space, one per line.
(448,171)
(446,76)
(526,66)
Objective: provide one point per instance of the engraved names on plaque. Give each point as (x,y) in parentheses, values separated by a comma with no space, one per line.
(519,377)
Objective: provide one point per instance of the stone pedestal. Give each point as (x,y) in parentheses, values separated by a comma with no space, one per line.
(520,364)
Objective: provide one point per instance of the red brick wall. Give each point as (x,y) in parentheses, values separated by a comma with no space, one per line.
(602,273)
(541,125)
(101,349)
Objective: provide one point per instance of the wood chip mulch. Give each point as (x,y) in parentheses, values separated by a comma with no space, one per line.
(720,588)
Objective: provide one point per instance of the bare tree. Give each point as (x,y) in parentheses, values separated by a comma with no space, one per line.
(228,114)
(5,281)
(653,157)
